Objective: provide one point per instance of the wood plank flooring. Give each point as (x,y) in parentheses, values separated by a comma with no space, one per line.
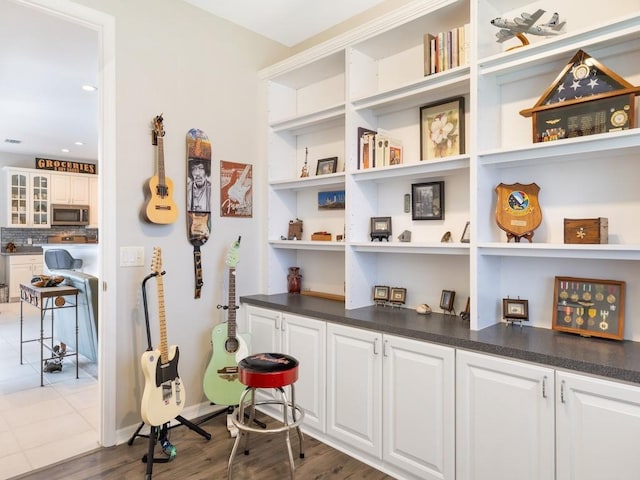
(198,459)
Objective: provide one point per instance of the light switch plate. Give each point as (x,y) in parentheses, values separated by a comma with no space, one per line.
(131,256)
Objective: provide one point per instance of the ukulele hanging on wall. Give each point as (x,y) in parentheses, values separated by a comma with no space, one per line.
(160,207)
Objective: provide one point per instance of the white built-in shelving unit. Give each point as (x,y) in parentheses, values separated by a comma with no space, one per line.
(373,77)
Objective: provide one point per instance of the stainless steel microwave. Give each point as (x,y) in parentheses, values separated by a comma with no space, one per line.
(69,214)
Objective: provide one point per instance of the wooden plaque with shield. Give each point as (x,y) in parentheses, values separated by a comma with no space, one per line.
(517,210)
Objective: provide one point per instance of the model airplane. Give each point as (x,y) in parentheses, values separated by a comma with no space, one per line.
(525,23)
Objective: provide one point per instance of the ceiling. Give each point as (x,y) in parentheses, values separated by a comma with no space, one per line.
(45,61)
(286,21)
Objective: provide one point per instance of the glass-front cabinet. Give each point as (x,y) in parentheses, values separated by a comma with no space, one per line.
(28,201)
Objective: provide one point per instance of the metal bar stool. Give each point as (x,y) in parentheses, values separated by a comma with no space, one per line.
(267,370)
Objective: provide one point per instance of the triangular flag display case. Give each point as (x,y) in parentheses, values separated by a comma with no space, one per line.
(586,98)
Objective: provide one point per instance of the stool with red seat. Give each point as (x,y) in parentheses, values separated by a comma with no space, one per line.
(267,370)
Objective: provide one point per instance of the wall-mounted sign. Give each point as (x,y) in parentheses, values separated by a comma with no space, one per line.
(66,166)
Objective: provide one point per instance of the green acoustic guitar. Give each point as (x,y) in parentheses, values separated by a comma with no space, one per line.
(221,384)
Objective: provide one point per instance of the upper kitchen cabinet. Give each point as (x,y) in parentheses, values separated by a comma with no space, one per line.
(27,198)
(70,189)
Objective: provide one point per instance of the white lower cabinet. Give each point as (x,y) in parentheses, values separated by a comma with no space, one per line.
(598,429)
(504,416)
(392,400)
(21,269)
(418,410)
(303,338)
(513,422)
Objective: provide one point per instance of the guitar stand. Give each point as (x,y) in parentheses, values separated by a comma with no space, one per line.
(229,410)
(160,433)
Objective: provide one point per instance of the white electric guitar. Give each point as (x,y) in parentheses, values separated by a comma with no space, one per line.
(163,398)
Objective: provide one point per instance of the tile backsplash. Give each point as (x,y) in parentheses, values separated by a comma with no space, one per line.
(20,236)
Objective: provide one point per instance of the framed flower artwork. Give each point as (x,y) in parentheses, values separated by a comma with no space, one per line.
(442,129)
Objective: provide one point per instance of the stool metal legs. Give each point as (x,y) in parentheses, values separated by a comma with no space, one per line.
(244,429)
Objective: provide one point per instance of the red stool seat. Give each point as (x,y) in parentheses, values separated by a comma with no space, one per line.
(268,370)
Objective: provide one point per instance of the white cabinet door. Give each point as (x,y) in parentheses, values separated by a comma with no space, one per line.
(264,326)
(505,419)
(598,428)
(354,388)
(70,189)
(59,188)
(419,407)
(79,187)
(27,198)
(305,340)
(21,269)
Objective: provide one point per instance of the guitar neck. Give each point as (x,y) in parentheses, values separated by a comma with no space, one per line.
(160,161)
(164,347)
(231,319)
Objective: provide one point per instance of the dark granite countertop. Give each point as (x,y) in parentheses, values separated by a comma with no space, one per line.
(23,251)
(618,360)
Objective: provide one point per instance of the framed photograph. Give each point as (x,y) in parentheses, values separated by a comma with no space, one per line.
(589,307)
(442,129)
(380,228)
(331,200)
(446,300)
(398,295)
(327,165)
(515,309)
(427,201)
(466,234)
(381,293)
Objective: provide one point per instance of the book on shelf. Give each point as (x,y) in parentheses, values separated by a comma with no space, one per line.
(385,144)
(447,49)
(366,148)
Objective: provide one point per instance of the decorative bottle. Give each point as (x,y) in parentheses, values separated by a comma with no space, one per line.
(293,280)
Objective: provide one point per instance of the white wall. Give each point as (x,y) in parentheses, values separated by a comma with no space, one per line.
(200,72)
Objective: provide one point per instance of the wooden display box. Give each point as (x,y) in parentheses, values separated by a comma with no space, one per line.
(325,237)
(586,230)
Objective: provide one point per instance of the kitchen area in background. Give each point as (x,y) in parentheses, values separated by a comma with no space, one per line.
(45,210)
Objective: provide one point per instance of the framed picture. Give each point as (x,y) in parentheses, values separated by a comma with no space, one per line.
(380,228)
(427,201)
(442,129)
(327,165)
(466,234)
(513,309)
(591,308)
(331,200)
(398,295)
(236,192)
(381,293)
(446,300)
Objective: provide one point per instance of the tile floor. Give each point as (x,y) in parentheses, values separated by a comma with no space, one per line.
(41,425)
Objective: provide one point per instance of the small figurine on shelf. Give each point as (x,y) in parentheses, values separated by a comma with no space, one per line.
(305,167)
(295,230)
(405,236)
(526,23)
(294,280)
